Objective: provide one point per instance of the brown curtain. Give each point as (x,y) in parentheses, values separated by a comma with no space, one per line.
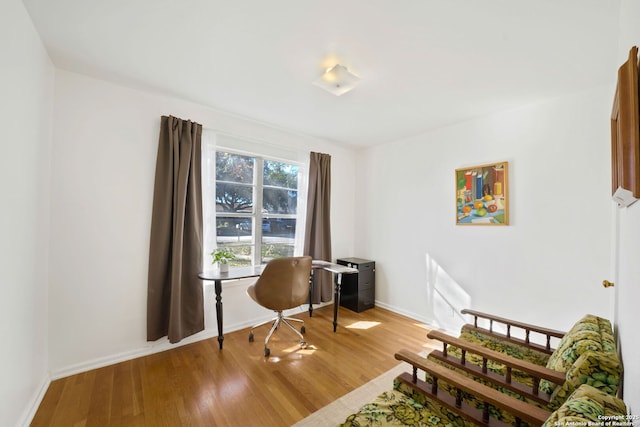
(317,239)
(174,294)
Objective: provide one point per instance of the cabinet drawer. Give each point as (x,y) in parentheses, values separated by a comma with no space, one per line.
(366,280)
(366,299)
(359,263)
(368,267)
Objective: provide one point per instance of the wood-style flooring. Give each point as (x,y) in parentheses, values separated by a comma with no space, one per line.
(200,385)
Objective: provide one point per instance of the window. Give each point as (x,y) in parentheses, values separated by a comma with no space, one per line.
(257,201)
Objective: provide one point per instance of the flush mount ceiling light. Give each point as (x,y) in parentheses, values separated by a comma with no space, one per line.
(337,80)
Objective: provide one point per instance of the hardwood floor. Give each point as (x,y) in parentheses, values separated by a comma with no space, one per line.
(199,385)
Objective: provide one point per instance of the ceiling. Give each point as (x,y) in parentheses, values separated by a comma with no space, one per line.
(423,64)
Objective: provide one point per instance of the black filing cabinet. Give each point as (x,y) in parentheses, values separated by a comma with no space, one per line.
(358,291)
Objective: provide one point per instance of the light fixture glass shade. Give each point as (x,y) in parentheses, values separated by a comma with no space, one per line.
(337,80)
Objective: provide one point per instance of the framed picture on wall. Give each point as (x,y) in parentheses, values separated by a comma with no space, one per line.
(482,196)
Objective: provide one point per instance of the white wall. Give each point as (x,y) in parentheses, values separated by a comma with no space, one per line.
(104,145)
(546,267)
(105,142)
(26,85)
(627,240)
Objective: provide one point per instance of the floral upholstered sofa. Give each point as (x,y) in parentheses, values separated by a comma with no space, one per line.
(586,354)
(394,408)
(413,402)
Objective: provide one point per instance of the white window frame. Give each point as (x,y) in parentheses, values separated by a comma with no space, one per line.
(260,151)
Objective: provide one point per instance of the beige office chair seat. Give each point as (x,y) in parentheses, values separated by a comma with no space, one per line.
(283,284)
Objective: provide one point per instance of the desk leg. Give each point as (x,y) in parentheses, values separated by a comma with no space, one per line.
(311,294)
(336,300)
(218,288)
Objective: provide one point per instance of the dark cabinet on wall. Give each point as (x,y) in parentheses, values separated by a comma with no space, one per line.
(358,291)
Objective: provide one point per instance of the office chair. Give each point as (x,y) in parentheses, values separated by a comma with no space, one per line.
(283,284)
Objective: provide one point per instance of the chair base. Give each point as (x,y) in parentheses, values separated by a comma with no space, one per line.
(281,319)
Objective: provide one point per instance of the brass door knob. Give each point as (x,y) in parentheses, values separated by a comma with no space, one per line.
(607,284)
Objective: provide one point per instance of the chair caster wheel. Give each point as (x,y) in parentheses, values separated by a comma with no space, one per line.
(250,336)
(303,329)
(303,344)
(267,352)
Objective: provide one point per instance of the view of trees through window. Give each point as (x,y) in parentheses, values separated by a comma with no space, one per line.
(251,190)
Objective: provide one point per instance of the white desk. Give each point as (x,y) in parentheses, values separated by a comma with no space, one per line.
(337,270)
(236,273)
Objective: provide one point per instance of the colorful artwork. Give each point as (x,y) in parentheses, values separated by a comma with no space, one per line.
(481,195)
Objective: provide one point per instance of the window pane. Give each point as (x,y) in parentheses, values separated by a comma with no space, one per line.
(278,238)
(276,250)
(233,229)
(234,168)
(280,201)
(234,198)
(242,252)
(280,174)
(279,227)
(235,233)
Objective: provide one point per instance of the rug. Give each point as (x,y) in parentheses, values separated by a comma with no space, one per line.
(337,412)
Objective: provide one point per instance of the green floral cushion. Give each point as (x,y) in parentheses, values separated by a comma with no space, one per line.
(396,409)
(497,413)
(606,335)
(584,336)
(600,370)
(589,334)
(512,349)
(498,368)
(586,404)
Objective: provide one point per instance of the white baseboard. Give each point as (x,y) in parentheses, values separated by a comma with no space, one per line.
(405,313)
(428,322)
(163,345)
(30,413)
(212,332)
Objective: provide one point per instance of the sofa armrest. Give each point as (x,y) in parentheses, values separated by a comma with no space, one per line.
(509,324)
(521,410)
(511,363)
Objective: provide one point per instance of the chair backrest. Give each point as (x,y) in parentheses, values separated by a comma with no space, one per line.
(284,283)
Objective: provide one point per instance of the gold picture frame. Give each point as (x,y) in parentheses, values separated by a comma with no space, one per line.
(482,196)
